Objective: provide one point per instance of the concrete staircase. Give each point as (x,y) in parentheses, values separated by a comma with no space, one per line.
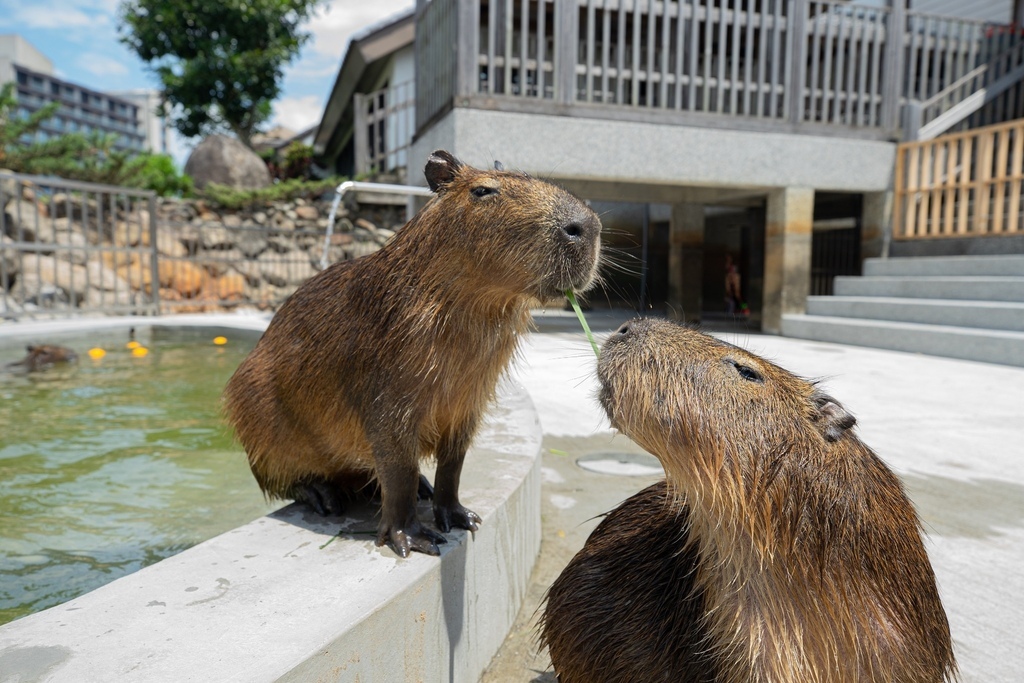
(969,307)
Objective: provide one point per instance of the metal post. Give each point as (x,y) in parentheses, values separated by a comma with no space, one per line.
(360,135)
(914,121)
(566,38)
(892,78)
(797,33)
(154,256)
(468,50)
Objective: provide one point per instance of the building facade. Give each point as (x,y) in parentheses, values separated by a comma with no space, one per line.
(152,121)
(82,110)
(762,134)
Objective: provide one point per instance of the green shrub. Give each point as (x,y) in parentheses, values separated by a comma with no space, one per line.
(157,172)
(230,198)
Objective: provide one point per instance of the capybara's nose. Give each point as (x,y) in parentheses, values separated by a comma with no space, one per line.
(630,329)
(573,232)
(579,225)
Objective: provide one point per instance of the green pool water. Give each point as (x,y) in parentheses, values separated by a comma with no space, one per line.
(107,466)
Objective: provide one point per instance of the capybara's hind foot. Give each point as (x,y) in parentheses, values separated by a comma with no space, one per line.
(322,496)
(455,516)
(414,536)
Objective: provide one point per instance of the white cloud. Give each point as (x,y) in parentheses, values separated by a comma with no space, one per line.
(331,28)
(48,14)
(339,19)
(101,65)
(297,113)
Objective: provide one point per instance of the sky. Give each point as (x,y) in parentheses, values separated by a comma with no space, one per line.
(80,37)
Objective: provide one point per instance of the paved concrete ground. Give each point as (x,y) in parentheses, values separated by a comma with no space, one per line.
(953,430)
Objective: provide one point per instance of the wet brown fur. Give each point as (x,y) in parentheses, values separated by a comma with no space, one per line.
(42,356)
(377,363)
(781,548)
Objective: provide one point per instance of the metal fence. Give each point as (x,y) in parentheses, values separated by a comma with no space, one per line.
(71,247)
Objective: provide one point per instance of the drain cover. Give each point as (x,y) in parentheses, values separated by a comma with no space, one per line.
(621,464)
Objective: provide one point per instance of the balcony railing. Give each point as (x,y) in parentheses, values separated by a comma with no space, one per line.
(814,65)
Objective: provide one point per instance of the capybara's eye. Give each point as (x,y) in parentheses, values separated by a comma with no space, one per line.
(748,373)
(483,191)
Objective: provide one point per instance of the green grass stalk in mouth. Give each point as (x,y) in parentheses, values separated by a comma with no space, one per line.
(583,321)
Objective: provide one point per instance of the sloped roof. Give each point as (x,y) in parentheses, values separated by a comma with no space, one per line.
(365,58)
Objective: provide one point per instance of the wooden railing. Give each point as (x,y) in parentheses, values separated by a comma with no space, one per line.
(819,64)
(961,185)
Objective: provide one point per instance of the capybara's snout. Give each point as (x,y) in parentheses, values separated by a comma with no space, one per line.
(577,237)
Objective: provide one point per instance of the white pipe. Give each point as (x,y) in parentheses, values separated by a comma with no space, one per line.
(379,188)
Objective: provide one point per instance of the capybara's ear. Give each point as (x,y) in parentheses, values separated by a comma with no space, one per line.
(831,416)
(498,166)
(441,169)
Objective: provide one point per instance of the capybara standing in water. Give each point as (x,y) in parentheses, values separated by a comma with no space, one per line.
(779,549)
(377,363)
(42,356)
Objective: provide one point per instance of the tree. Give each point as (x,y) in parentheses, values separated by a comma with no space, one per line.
(220,62)
(14,130)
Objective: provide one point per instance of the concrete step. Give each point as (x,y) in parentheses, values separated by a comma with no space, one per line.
(995,315)
(1012,265)
(970,287)
(990,346)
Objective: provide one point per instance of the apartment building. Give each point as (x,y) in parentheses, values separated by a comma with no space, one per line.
(82,109)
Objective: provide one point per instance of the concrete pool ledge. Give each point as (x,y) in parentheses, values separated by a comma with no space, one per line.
(295,597)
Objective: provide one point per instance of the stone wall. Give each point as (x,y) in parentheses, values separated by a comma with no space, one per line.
(73,253)
(212,258)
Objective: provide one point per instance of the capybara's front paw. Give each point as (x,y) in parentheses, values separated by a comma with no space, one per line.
(455,516)
(414,536)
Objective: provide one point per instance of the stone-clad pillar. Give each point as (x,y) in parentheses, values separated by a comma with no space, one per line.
(685,262)
(787,254)
(876,222)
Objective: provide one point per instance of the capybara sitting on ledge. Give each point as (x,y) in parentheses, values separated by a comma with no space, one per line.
(42,356)
(781,549)
(377,363)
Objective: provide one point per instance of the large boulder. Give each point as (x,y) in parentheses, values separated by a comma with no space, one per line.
(226,161)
